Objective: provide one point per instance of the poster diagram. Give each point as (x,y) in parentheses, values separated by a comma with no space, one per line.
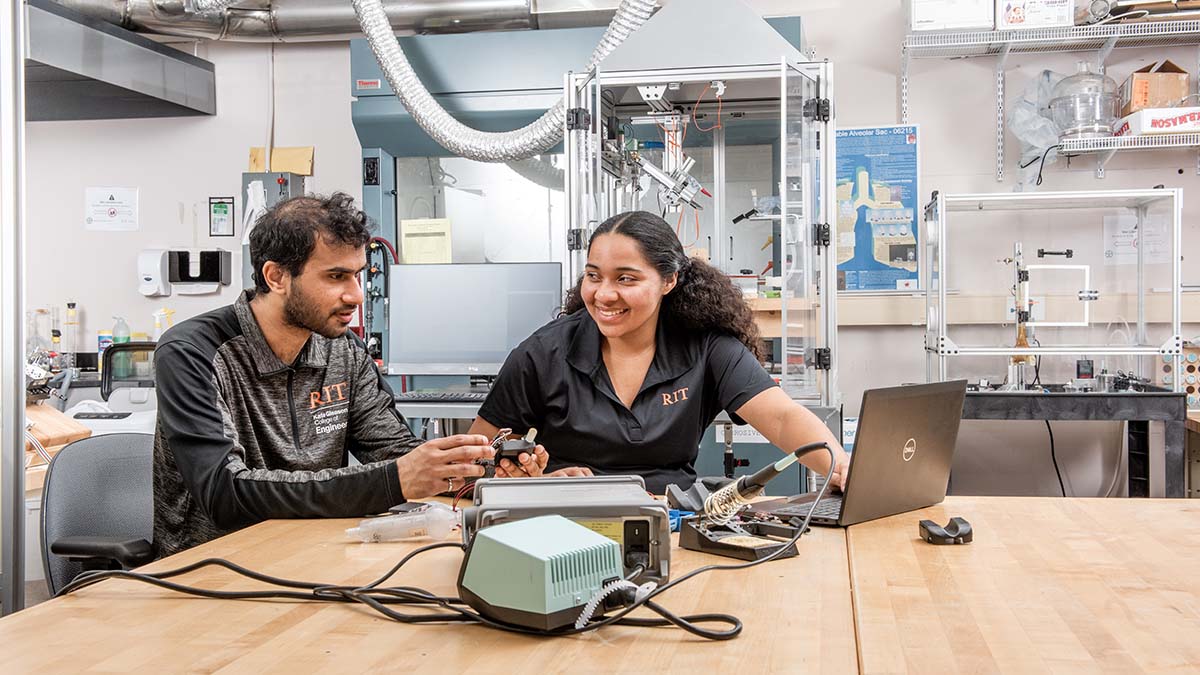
(877,174)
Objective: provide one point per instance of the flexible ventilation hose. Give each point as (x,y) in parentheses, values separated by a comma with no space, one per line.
(455,136)
(205,6)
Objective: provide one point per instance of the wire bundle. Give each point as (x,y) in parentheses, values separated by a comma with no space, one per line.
(441,609)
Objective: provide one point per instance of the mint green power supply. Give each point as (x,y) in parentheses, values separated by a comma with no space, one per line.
(538,572)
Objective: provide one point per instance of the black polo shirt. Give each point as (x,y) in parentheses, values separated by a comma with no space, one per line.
(556,381)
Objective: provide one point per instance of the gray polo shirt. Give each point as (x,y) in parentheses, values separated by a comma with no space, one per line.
(243,437)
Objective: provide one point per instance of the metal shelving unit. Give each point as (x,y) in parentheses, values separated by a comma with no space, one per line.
(1107,147)
(1102,39)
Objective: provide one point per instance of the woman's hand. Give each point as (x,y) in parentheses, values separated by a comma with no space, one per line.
(528,466)
(531,466)
(841,471)
(572,472)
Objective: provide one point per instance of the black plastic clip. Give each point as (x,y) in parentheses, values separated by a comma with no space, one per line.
(957,531)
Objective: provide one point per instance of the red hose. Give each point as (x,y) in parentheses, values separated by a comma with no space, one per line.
(388,245)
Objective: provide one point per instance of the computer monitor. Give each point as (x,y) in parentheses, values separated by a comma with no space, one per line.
(464,319)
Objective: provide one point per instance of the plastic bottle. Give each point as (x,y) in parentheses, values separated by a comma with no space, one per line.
(434,521)
(70,336)
(122,364)
(162,321)
(104,340)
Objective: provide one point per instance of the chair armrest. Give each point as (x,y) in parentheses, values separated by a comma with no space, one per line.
(128,552)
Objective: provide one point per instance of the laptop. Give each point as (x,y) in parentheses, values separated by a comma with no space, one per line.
(901,458)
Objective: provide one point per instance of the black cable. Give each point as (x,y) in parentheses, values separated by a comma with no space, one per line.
(1054,458)
(377,598)
(1043,164)
(1037,365)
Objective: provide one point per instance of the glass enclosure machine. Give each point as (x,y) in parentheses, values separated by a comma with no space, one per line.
(1057,291)
(739,159)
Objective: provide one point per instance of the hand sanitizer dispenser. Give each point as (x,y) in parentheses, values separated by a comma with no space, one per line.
(153,273)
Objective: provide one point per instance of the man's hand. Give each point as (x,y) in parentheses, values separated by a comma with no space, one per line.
(442,464)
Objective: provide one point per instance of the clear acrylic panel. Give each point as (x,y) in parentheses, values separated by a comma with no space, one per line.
(1095,271)
(800,313)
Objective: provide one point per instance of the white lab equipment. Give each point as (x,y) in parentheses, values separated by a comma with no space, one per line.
(256,206)
(434,521)
(153,273)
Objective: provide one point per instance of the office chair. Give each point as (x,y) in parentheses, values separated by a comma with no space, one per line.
(98,507)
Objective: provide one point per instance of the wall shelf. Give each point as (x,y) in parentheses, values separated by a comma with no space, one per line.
(1107,147)
(1101,39)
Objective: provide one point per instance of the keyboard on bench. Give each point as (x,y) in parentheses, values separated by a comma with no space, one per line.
(829,507)
(441,397)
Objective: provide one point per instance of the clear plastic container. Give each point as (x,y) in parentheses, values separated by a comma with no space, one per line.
(1084,105)
(122,363)
(433,521)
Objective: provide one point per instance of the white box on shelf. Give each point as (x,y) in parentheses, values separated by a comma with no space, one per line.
(1014,14)
(1153,121)
(926,15)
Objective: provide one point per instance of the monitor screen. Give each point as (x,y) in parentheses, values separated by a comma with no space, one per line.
(464,319)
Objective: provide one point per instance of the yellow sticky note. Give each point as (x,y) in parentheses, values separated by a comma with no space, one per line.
(297,160)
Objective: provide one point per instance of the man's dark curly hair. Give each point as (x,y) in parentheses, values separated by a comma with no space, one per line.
(287,234)
(703,298)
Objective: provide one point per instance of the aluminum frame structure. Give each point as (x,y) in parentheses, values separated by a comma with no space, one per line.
(808,195)
(1099,38)
(939,347)
(12,305)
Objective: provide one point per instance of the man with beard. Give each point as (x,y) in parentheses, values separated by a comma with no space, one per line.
(260,403)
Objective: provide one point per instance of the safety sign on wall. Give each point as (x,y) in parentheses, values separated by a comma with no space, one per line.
(877,197)
(110,208)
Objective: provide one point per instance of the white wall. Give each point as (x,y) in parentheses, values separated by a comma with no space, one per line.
(177,163)
(188,160)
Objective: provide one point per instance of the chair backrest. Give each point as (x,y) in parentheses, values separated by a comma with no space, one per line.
(97,486)
(119,366)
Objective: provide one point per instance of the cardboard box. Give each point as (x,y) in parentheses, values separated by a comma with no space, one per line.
(926,15)
(1158,85)
(1159,121)
(1014,14)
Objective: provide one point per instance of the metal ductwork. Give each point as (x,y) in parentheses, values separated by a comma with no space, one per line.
(82,68)
(324,20)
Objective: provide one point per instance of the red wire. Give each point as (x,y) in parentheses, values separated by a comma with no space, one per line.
(720,104)
(388,245)
(462,492)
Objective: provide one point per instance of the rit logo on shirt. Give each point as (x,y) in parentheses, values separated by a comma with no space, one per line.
(675,396)
(326,395)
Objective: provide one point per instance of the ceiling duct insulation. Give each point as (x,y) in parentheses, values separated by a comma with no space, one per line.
(328,20)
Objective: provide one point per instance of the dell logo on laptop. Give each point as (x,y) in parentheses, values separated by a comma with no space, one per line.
(910,449)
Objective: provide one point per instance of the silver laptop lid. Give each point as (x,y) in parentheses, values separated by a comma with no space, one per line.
(903,449)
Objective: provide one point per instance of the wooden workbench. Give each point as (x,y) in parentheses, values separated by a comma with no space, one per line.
(54,431)
(1063,585)
(1081,585)
(797,616)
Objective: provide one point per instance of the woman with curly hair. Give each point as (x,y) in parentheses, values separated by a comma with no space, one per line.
(651,346)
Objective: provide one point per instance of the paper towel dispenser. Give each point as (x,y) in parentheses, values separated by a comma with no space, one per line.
(198,272)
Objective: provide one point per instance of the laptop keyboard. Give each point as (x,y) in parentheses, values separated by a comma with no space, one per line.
(441,397)
(829,507)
